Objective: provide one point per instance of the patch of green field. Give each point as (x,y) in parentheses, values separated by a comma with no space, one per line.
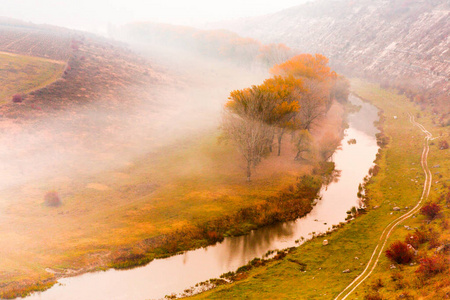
(21,74)
(350,247)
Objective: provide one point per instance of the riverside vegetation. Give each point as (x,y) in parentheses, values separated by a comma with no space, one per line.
(315,271)
(184,196)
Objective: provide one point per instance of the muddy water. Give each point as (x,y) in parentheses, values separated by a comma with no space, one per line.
(172,275)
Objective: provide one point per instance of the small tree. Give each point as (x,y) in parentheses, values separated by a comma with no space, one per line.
(400,253)
(431,210)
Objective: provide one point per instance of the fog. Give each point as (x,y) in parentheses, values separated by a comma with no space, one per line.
(85,140)
(95,16)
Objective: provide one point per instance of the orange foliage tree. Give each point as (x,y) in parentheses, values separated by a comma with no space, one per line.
(295,98)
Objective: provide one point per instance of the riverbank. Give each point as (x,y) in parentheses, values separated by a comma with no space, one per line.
(315,271)
(157,206)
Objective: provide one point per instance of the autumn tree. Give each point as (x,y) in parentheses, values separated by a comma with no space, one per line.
(302,140)
(247,123)
(286,93)
(341,88)
(313,104)
(328,145)
(305,66)
(274,54)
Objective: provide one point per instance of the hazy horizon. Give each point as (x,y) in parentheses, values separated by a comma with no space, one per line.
(96,16)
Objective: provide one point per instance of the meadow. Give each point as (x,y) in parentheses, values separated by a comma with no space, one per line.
(182,196)
(315,271)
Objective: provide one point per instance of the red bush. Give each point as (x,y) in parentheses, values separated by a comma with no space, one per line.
(52,199)
(431,210)
(214,236)
(17,98)
(414,240)
(400,253)
(443,145)
(431,265)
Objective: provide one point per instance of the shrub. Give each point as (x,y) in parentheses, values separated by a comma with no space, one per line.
(377,284)
(443,145)
(413,240)
(17,98)
(431,265)
(52,199)
(431,210)
(373,296)
(400,253)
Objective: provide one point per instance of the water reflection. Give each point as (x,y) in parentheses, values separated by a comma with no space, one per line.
(174,274)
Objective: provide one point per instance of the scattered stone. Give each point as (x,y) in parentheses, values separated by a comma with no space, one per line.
(376,206)
(356,257)
(325,242)
(346,271)
(395,117)
(393,267)
(412,248)
(442,248)
(396,208)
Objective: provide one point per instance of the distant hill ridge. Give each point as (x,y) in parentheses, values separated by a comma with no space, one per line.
(402,43)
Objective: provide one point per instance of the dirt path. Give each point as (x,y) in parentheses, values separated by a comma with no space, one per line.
(389,228)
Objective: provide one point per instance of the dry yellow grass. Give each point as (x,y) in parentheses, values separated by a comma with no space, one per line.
(21,74)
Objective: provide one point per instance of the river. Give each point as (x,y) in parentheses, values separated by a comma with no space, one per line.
(174,274)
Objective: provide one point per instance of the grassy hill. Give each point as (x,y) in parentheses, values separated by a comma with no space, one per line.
(21,74)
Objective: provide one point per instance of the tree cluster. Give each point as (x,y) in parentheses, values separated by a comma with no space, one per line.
(292,101)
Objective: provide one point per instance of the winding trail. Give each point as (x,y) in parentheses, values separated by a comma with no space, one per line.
(389,228)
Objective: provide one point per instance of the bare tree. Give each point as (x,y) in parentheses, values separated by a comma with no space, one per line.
(251,137)
(302,140)
(328,146)
(247,122)
(313,104)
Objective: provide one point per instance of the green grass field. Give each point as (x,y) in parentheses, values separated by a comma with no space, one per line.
(21,74)
(350,247)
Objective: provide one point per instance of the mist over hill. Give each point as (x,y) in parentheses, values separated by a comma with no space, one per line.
(399,43)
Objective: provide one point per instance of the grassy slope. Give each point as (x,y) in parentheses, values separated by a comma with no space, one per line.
(351,246)
(23,74)
(186,184)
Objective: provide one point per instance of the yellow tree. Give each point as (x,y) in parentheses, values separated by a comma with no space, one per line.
(286,91)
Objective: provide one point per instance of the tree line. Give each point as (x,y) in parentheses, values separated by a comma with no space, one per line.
(292,101)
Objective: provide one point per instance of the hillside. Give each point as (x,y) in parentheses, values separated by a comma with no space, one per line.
(75,114)
(403,44)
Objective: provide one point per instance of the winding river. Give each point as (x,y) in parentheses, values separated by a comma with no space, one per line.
(174,274)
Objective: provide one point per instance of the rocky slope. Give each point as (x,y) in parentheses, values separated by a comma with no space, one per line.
(403,43)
